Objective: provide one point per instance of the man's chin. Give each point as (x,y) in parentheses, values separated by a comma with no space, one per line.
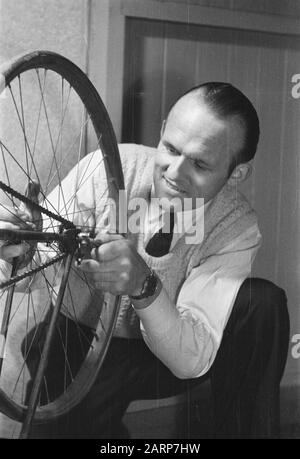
(167,202)
(179,203)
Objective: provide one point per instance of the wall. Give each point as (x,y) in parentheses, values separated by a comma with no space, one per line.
(54,25)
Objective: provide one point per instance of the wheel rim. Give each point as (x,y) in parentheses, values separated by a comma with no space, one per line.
(44,96)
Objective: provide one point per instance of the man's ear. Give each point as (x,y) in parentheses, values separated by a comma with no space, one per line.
(162,130)
(240,173)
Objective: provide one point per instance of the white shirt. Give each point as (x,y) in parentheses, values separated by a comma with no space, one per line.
(184,222)
(187,336)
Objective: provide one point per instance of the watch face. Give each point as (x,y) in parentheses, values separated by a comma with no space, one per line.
(151,284)
(149,287)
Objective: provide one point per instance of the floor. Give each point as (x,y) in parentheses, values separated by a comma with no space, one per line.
(179,421)
(141,425)
(185,421)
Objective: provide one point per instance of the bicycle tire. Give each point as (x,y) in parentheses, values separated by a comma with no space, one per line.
(83,88)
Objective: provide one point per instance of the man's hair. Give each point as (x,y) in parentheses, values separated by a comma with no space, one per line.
(226,101)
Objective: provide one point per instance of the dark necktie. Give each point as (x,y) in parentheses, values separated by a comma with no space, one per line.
(160,242)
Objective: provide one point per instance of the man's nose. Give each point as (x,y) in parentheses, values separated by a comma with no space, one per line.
(178,167)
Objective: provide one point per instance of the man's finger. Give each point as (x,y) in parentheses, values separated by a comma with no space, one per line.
(7,252)
(89,266)
(8,226)
(110,267)
(103,238)
(107,251)
(12,215)
(94,273)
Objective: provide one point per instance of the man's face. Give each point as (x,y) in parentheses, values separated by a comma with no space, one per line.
(195,151)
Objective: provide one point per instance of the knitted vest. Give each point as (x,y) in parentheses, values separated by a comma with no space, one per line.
(228,216)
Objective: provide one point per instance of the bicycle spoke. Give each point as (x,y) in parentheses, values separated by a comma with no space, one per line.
(67,364)
(23,123)
(75,320)
(6,170)
(13,157)
(50,136)
(26,338)
(66,156)
(37,125)
(79,151)
(71,199)
(27,147)
(82,276)
(37,324)
(48,182)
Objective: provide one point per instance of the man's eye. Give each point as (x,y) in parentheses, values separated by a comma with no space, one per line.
(198,165)
(170,149)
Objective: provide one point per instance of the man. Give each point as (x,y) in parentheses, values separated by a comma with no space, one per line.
(189,301)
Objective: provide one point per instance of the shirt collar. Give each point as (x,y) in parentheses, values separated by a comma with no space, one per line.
(184,220)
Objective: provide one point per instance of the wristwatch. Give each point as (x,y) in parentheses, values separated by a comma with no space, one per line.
(149,287)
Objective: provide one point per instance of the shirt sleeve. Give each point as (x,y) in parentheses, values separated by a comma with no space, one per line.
(187,336)
(5,270)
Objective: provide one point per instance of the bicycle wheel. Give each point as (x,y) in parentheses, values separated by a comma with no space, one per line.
(51,118)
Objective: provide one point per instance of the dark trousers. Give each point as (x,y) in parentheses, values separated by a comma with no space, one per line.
(245,376)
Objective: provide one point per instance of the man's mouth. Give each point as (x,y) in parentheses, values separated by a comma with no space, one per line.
(172,185)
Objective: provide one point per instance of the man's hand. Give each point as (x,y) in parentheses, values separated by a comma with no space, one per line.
(24,217)
(11,218)
(116,267)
